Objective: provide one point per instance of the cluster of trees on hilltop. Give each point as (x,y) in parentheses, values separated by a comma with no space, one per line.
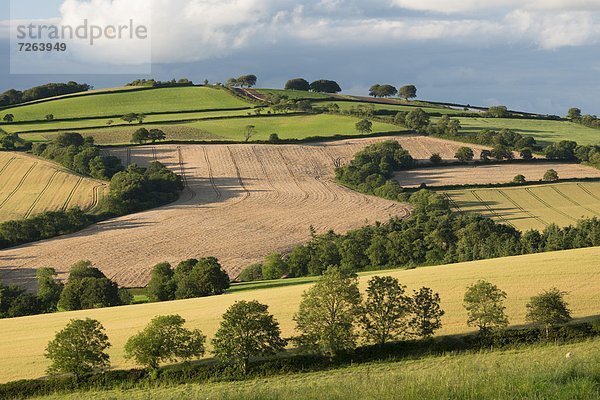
(406,91)
(318,86)
(575,115)
(14,96)
(156,83)
(242,81)
(86,288)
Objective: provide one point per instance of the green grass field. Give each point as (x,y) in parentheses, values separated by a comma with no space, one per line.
(287,127)
(535,372)
(24,339)
(295,94)
(143,101)
(531,207)
(544,132)
(389,108)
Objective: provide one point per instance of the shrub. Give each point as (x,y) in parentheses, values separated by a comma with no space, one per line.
(550,176)
(435,158)
(251,273)
(519,179)
(464,154)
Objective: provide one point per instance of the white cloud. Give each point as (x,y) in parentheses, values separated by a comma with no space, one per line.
(455,6)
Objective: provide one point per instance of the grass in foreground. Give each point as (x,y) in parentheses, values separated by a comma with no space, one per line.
(531,207)
(144,101)
(539,372)
(576,271)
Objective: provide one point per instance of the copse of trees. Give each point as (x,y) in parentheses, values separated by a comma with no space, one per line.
(464,154)
(156,83)
(408,92)
(382,91)
(144,135)
(13,96)
(297,84)
(191,278)
(89,288)
(498,112)
(325,86)
(12,141)
(242,81)
(80,155)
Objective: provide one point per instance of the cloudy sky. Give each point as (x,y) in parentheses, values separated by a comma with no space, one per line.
(536,55)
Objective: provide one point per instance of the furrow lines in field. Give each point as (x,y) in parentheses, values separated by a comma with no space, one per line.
(239,175)
(95,197)
(39,196)
(520,208)
(588,191)
(453,204)
(183,173)
(491,210)
(264,172)
(545,203)
(569,199)
(7,164)
(19,185)
(211,177)
(72,193)
(289,169)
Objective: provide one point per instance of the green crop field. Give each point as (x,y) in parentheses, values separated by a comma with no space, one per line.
(389,108)
(544,132)
(295,94)
(535,372)
(287,127)
(531,207)
(576,271)
(30,186)
(142,101)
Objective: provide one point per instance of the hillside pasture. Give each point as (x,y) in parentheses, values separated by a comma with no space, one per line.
(30,186)
(545,132)
(139,101)
(575,271)
(491,174)
(390,109)
(286,126)
(531,207)
(242,203)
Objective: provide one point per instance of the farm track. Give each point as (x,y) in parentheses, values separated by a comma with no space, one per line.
(39,196)
(72,193)
(520,208)
(545,203)
(248,201)
(19,185)
(575,203)
(491,210)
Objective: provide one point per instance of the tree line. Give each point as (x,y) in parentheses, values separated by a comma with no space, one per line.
(318,86)
(386,90)
(156,83)
(13,96)
(333,319)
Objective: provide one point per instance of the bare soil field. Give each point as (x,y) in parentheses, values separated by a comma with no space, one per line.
(241,203)
(30,186)
(491,174)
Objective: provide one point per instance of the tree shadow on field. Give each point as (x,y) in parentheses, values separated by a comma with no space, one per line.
(22,277)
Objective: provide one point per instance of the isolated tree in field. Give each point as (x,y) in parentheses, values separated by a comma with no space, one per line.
(9,118)
(131,117)
(325,86)
(50,117)
(484,303)
(382,91)
(417,120)
(247,330)
(162,285)
(328,313)
(551,176)
(49,289)
(498,112)
(274,138)
(78,349)
(297,84)
(364,126)
(156,134)
(408,92)
(548,309)
(165,339)
(574,114)
(200,278)
(426,313)
(140,136)
(435,158)
(519,179)
(249,131)
(231,82)
(386,310)
(464,154)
